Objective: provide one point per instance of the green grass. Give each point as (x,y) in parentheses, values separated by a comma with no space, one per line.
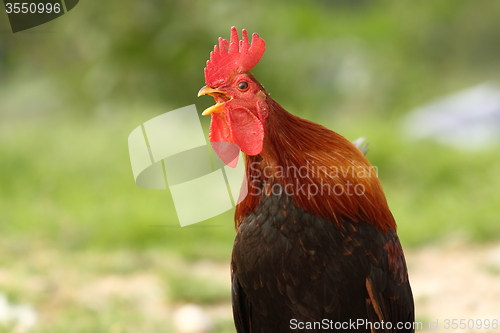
(73,220)
(70,182)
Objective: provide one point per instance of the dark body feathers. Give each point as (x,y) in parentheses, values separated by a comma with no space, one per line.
(288,264)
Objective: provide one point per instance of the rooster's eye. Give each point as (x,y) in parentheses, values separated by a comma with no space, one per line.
(242,85)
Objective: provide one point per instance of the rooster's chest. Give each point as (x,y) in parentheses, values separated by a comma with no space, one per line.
(280,239)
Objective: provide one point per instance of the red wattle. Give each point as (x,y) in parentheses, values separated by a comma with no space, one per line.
(234,130)
(221,140)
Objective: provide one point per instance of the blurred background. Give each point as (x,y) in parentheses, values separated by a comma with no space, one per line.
(83,249)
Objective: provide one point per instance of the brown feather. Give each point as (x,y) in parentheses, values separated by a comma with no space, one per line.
(310,158)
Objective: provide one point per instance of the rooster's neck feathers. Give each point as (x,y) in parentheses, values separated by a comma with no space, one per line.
(323,172)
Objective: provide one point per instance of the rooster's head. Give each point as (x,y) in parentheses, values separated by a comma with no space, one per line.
(240,111)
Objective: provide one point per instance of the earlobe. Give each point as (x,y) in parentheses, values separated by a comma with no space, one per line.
(261,95)
(262,109)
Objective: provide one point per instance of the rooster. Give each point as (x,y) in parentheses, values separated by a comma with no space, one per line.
(316,247)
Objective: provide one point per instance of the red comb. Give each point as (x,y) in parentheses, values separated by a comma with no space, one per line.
(234,56)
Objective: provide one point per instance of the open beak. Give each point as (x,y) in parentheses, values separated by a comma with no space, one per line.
(219,96)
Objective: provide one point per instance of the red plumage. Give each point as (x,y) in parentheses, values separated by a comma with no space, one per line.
(315,237)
